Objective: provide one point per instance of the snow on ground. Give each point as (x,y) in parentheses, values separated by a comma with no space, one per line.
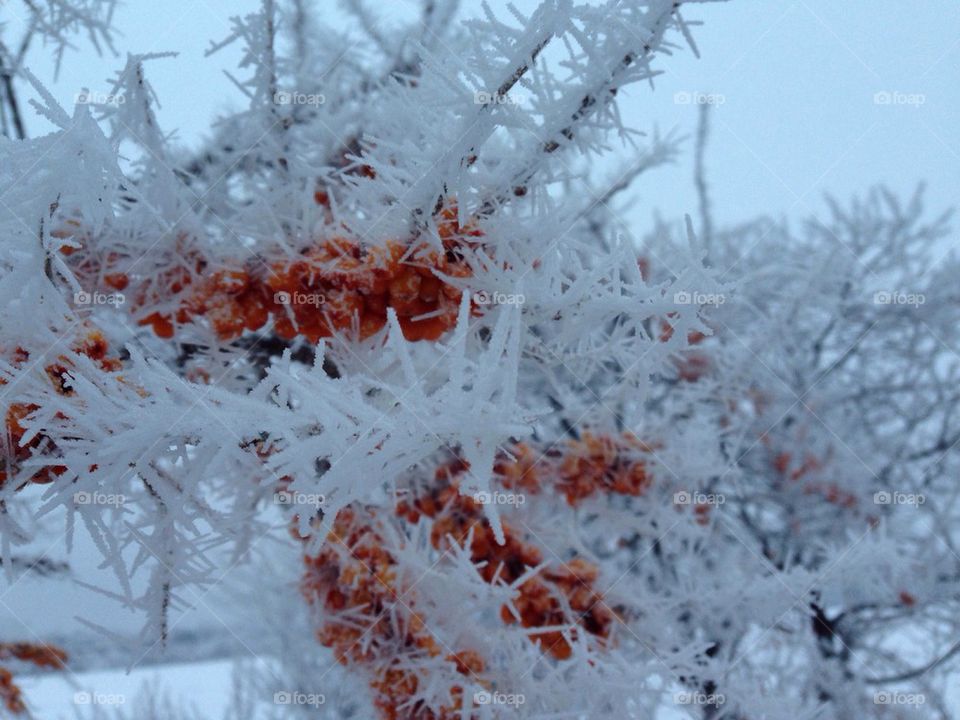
(206,686)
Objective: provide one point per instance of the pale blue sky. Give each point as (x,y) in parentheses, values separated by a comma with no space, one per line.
(797,81)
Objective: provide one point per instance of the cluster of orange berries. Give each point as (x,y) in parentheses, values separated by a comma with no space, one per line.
(353,574)
(336,285)
(355,577)
(43,656)
(459,519)
(580,468)
(93,345)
